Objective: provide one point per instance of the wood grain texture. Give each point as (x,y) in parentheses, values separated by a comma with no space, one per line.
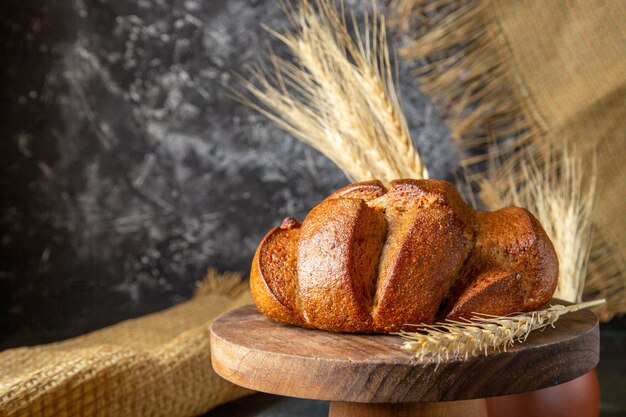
(252,351)
(469,408)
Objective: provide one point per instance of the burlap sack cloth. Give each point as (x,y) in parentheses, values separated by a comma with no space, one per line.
(568,66)
(157,365)
(556,68)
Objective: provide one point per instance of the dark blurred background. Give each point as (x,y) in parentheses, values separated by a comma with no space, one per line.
(126,170)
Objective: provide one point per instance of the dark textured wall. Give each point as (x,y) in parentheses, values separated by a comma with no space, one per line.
(125,169)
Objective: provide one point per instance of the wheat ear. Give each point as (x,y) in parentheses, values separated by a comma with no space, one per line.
(337,93)
(482,334)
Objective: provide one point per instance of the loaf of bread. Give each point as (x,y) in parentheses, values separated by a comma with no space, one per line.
(372,260)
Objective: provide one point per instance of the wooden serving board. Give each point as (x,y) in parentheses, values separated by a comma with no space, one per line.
(251,351)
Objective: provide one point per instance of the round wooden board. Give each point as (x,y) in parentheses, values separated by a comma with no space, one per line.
(251,351)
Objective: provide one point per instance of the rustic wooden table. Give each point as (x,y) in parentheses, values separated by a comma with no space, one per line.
(368,375)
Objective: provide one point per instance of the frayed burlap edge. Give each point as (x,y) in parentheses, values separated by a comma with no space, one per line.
(155,365)
(229,283)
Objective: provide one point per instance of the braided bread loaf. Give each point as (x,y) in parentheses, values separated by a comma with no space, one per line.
(371,260)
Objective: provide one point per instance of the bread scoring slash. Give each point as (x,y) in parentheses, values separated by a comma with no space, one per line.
(372,260)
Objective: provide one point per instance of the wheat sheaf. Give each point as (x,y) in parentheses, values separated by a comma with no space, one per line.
(336,93)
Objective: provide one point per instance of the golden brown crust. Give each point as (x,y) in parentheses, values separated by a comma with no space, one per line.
(273,279)
(513,239)
(368,259)
(495,292)
(411,285)
(338,252)
(424,217)
(366,190)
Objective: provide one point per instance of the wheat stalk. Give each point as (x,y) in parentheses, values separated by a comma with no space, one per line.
(482,334)
(338,93)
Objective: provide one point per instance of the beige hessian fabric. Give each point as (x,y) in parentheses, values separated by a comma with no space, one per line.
(156,365)
(569,61)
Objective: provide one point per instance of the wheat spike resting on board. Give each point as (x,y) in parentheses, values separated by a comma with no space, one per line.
(482,333)
(337,93)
